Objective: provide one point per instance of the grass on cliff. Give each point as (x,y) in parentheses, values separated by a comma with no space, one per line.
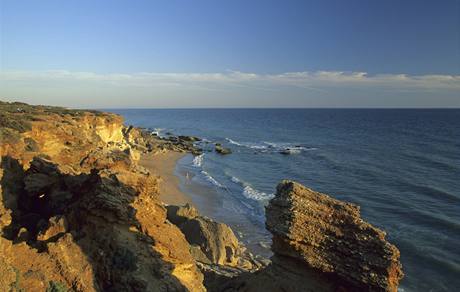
(56,287)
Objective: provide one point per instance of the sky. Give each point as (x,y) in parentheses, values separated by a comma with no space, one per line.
(319,53)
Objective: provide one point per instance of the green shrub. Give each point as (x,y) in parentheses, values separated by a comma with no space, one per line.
(56,287)
(9,136)
(31,145)
(15,122)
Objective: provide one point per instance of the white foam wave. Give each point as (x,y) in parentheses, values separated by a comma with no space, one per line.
(251,193)
(254,194)
(198,160)
(246,144)
(157,131)
(233,142)
(211,179)
(273,146)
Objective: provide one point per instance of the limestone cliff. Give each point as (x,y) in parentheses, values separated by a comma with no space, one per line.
(78,212)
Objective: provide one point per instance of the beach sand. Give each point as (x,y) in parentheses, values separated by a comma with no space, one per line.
(164,165)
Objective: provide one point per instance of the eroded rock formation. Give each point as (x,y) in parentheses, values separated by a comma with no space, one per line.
(211,242)
(330,237)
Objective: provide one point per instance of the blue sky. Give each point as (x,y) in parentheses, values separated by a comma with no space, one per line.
(231,53)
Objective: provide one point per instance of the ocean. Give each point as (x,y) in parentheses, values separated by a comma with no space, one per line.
(402,166)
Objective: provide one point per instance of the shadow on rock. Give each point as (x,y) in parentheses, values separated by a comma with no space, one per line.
(82,226)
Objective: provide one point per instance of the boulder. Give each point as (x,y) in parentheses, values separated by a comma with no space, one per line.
(330,237)
(211,242)
(189,138)
(179,214)
(216,240)
(222,150)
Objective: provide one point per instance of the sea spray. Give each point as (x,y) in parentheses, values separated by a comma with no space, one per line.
(198,160)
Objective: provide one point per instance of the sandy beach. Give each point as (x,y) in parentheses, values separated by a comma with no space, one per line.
(164,165)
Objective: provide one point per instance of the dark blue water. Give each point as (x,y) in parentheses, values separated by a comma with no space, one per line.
(401,166)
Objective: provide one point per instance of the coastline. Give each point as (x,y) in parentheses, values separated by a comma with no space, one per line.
(164,165)
(79,204)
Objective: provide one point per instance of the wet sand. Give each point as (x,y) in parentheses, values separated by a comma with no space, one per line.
(164,165)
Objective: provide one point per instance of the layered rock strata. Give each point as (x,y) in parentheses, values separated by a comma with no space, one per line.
(331,238)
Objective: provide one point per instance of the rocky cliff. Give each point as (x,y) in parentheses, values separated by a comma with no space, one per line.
(78,213)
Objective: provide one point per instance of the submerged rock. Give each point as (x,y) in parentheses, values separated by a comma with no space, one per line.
(330,237)
(222,150)
(189,138)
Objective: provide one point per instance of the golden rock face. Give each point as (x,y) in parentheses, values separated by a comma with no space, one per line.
(78,212)
(330,236)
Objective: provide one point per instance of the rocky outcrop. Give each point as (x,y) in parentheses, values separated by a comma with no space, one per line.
(211,242)
(319,244)
(330,237)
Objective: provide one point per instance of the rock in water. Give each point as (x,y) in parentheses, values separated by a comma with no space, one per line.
(222,150)
(330,236)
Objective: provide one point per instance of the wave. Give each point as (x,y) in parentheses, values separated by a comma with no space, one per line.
(246,144)
(198,160)
(290,148)
(157,131)
(254,194)
(233,142)
(211,179)
(251,193)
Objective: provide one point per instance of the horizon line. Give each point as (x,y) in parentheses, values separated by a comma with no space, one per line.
(250,108)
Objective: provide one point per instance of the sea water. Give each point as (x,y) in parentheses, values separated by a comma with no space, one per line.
(402,166)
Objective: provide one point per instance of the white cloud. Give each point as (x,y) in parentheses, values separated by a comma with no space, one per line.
(319,79)
(230,89)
